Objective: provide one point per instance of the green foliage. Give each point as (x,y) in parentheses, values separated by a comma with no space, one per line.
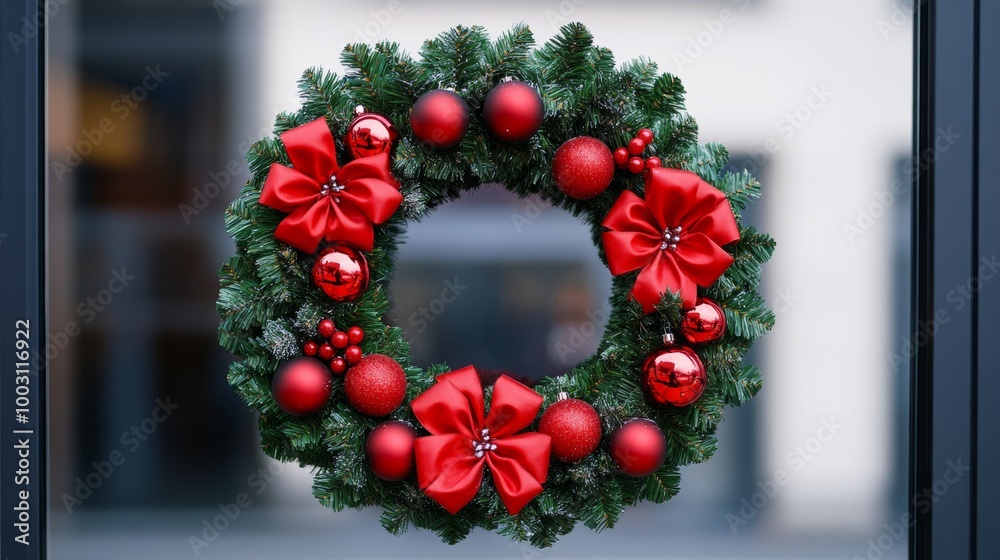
(268,306)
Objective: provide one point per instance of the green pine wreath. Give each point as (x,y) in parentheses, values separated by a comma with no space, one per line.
(269,306)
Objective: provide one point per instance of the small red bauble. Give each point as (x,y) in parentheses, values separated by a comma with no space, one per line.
(325,351)
(301,386)
(338,365)
(673,374)
(389,449)
(326,328)
(638,448)
(339,340)
(355,335)
(705,322)
(646,135)
(574,426)
(513,111)
(653,162)
(621,156)
(636,146)
(341,272)
(310,348)
(353,354)
(376,385)
(583,167)
(370,134)
(636,165)
(440,119)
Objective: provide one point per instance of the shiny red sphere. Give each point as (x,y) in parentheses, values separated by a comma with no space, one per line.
(636,146)
(353,354)
(338,365)
(638,448)
(370,134)
(341,272)
(636,165)
(310,348)
(340,340)
(583,167)
(673,375)
(326,328)
(646,135)
(440,119)
(705,322)
(653,162)
(325,351)
(355,335)
(301,386)
(621,156)
(575,429)
(513,111)
(376,385)
(389,449)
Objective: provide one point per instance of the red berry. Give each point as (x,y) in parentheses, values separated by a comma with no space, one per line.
(635,165)
(326,328)
(353,354)
(325,351)
(338,365)
(355,334)
(339,340)
(636,146)
(310,348)
(653,162)
(621,157)
(645,135)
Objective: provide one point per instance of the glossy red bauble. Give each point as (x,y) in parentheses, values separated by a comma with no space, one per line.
(653,162)
(353,354)
(583,167)
(370,134)
(621,157)
(389,449)
(646,135)
(338,365)
(325,351)
(636,146)
(513,111)
(440,119)
(636,165)
(376,385)
(355,335)
(638,448)
(340,340)
(326,328)
(575,429)
(310,348)
(705,322)
(673,375)
(341,271)
(301,386)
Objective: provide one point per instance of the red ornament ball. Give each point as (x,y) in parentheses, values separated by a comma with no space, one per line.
(310,348)
(703,323)
(638,448)
(370,134)
(355,335)
(575,429)
(583,167)
(646,135)
(389,449)
(513,111)
(653,162)
(440,119)
(636,146)
(341,272)
(353,354)
(338,365)
(326,328)
(325,351)
(376,385)
(301,386)
(621,156)
(673,375)
(340,340)
(636,165)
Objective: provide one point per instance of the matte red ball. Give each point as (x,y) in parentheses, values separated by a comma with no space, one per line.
(355,335)
(621,156)
(638,448)
(326,328)
(653,162)
(636,165)
(703,323)
(513,111)
(389,449)
(341,272)
(353,354)
(583,167)
(673,375)
(301,386)
(325,351)
(338,365)
(340,340)
(646,135)
(440,119)
(575,429)
(376,385)
(310,348)
(636,146)
(370,134)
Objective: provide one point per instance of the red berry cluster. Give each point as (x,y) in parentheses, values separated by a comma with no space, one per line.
(337,342)
(629,157)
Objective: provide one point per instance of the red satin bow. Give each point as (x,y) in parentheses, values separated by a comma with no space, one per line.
(676,236)
(326,201)
(464,440)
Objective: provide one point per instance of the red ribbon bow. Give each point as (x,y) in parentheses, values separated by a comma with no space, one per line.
(676,236)
(464,440)
(324,200)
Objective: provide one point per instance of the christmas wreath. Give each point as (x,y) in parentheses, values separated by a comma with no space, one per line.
(304,299)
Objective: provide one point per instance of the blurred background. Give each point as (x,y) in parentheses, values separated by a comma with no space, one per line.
(152,105)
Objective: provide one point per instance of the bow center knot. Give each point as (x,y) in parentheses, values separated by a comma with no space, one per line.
(332,188)
(483,444)
(671,237)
